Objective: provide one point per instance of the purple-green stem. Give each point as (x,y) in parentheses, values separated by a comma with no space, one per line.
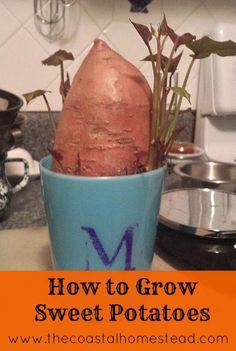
(178,106)
(50,113)
(158,102)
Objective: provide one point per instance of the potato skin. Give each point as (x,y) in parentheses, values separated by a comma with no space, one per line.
(104,125)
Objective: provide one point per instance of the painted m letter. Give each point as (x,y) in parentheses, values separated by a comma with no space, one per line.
(127,240)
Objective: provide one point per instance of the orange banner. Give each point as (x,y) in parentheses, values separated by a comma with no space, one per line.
(58,310)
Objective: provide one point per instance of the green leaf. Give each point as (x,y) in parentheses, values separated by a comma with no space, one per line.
(34,94)
(164,27)
(164,60)
(182,92)
(185,39)
(150,57)
(174,62)
(57,58)
(206,46)
(143,31)
(178,40)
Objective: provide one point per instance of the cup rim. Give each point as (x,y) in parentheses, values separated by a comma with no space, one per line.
(95,178)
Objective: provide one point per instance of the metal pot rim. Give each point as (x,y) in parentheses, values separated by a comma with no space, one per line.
(178,170)
(193,228)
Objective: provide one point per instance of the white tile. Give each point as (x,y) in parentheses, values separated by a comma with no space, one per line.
(222,11)
(55,98)
(198,23)
(21,9)
(178,11)
(108,41)
(99,10)
(21,58)
(9,24)
(127,42)
(147,71)
(79,33)
(122,12)
(23,49)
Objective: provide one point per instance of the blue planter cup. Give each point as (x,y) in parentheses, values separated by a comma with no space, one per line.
(101,223)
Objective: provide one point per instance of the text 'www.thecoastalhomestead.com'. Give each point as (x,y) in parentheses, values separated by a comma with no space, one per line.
(118,338)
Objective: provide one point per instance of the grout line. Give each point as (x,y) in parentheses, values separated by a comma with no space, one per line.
(208,10)
(116,48)
(102,31)
(69,65)
(13,14)
(13,33)
(11,37)
(91,18)
(10,12)
(113,10)
(94,19)
(188,16)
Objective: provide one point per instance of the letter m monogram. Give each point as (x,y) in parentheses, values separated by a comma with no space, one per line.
(126,241)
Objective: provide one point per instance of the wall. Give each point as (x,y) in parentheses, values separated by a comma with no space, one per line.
(22,47)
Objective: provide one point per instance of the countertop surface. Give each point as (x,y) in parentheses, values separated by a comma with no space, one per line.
(27,208)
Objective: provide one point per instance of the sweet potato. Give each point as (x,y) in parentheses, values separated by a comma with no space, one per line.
(104,125)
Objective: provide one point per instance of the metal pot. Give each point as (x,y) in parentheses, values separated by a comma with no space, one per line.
(197,229)
(215,175)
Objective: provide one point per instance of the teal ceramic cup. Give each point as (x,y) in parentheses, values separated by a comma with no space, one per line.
(101,223)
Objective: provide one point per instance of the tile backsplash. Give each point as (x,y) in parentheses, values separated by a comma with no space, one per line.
(22,47)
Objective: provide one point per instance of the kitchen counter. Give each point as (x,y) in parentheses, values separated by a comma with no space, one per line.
(27,209)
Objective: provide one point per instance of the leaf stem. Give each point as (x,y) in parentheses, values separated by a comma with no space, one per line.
(152,133)
(152,59)
(183,87)
(166,70)
(62,79)
(177,109)
(157,113)
(50,113)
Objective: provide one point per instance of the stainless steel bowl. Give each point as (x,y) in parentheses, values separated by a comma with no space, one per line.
(197,229)
(207,175)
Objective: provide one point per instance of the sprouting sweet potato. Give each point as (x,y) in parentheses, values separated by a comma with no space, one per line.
(104,125)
